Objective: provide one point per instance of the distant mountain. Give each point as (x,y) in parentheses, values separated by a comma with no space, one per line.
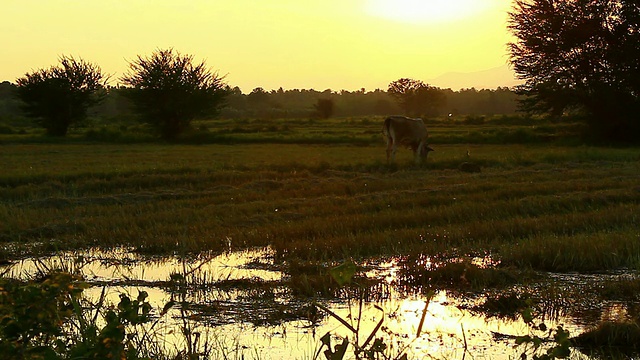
(486,79)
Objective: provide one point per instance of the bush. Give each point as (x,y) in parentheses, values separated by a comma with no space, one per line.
(103,134)
(474,120)
(6,130)
(47,318)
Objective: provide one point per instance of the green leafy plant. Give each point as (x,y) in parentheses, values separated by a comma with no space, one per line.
(32,315)
(559,339)
(48,318)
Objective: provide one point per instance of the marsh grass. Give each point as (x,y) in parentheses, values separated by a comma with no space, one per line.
(452,274)
(504,305)
(530,204)
(617,339)
(613,249)
(622,289)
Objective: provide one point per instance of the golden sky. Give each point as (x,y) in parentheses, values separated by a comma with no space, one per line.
(304,44)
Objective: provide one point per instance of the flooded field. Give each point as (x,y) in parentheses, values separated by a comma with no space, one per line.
(240,306)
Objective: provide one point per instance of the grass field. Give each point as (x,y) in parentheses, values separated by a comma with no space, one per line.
(529,206)
(330,201)
(536,205)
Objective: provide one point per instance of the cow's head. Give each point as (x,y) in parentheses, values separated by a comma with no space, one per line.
(424,152)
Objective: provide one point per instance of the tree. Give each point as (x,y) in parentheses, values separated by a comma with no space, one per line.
(60,96)
(169,91)
(324,108)
(258,98)
(580,54)
(429,100)
(10,106)
(415,97)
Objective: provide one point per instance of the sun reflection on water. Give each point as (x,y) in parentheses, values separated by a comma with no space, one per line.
(222,312)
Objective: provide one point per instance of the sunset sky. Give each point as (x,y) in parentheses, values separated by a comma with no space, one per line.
(311,44)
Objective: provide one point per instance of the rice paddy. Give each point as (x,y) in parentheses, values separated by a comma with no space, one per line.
(544,228)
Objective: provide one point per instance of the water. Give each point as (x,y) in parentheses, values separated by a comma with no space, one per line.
(121,265)
(238,303)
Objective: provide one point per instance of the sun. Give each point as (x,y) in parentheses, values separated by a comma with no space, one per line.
(420,11)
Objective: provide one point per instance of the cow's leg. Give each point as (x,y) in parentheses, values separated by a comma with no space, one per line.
(417,152)
(391,152)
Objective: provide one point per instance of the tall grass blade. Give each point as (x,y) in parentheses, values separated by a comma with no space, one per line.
(337,317)
(424,312)
(375,330)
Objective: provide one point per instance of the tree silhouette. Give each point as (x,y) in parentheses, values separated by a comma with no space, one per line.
(169,91)
(580,54)
(415,97)
(258,97)
(324,108)
(10,106)
(61,95)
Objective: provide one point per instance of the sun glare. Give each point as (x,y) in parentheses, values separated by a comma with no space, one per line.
(418,11)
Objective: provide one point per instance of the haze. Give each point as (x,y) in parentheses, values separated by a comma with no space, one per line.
(326,44)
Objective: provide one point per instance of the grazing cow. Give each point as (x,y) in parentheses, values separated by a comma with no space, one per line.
(408,132)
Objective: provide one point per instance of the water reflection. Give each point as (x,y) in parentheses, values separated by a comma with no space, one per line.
(120,264)
(240,305)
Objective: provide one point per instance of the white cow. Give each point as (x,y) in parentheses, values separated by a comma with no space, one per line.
(408,132)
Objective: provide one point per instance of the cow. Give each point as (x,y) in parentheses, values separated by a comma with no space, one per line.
(408,132)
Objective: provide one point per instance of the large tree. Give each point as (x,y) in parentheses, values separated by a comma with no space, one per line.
(416,98)
(169,90)
(581,54)
(60,96)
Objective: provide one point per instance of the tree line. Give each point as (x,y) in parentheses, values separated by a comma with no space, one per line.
(575,57)
(168,91)
(296,103)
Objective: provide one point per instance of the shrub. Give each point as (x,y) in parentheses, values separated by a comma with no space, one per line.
(6,129)
(48,318)
(474,120)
